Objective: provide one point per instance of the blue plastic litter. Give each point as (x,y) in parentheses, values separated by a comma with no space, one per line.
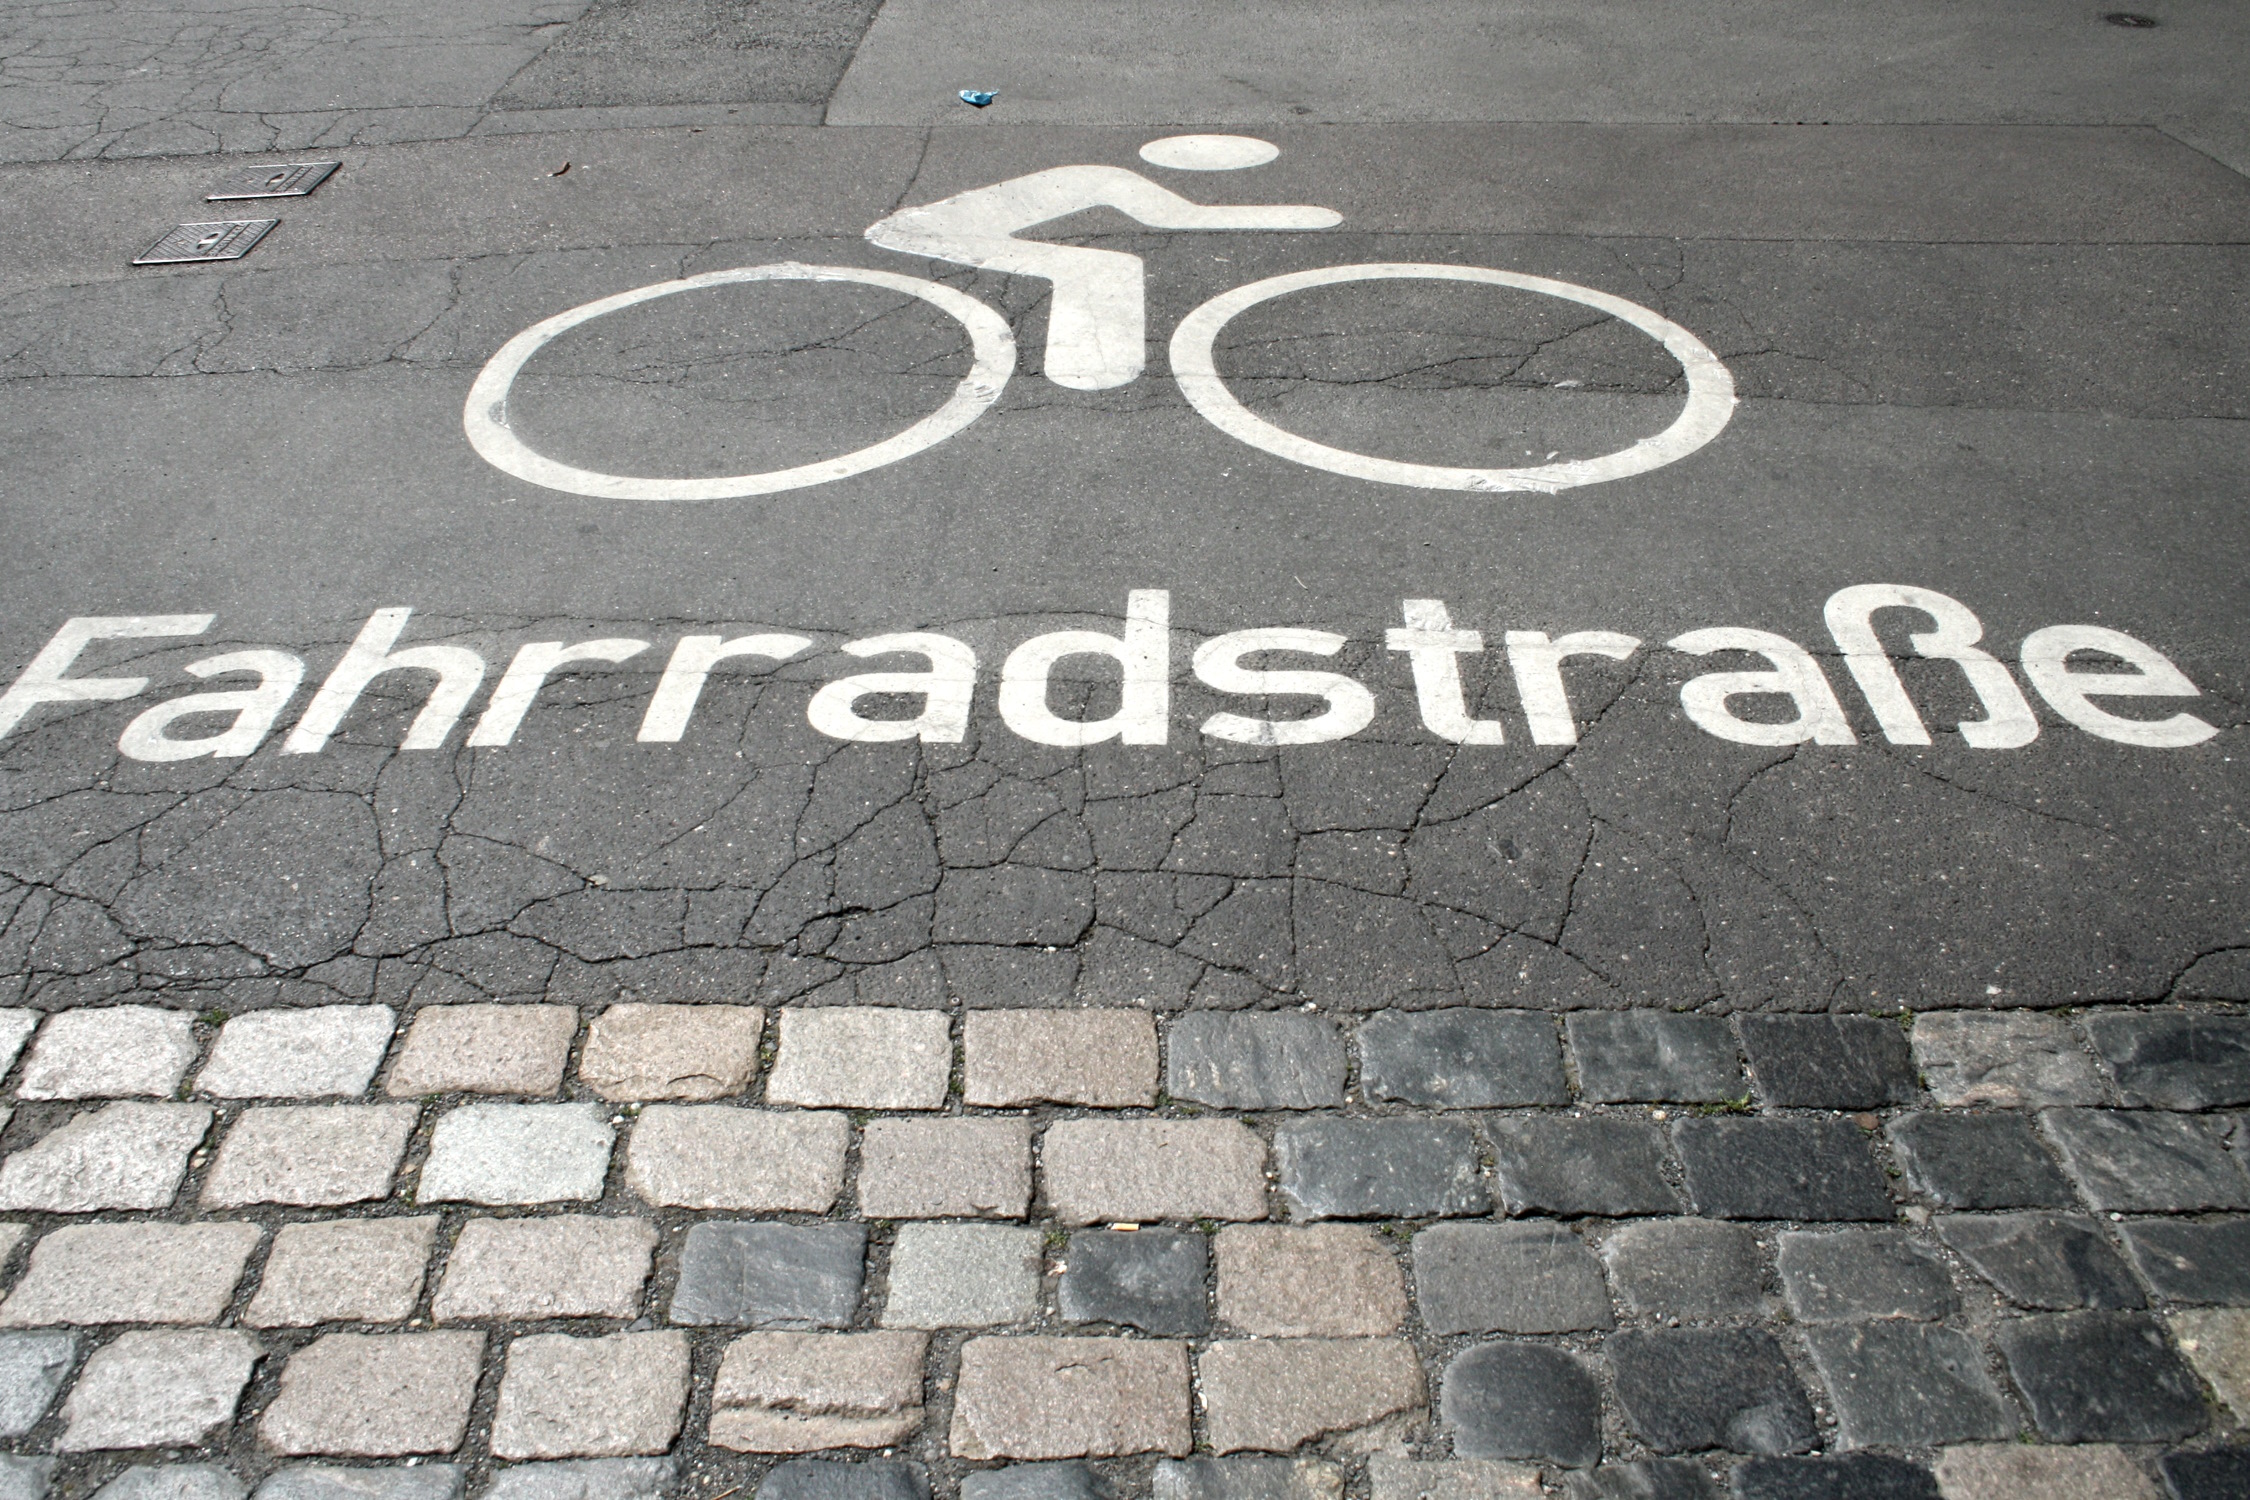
(978,97)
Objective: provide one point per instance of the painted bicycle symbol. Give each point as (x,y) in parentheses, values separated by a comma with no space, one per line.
(1096,332)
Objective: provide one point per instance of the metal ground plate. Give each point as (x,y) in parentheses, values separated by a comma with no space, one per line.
(275,180)
(227,239)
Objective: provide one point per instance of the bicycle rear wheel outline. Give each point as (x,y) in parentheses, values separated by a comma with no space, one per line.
(484,417)
(1710,402)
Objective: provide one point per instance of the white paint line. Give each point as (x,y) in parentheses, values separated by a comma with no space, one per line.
(1710,401)
(1209,153)
(485,418)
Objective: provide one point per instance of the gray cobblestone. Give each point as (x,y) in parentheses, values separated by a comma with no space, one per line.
(688,1052)
(1390,1477)
(1064,1479)
(1851,1275)
(1687,1389)
(613,1397)
(2139,1162)
(157,1388)
(484,1049)
(1274,1395)
(125,1155)
(1070,1398)
(2043,1260)
(568,1266)
(805,1392)
(1136,1170)
(962,1276)
(945,1168)
(375,1395)
(318,1052)
(2015,1471)
(1247,1478)
(1105,1059)
(752,1160)
(517,1153)
(310,1155)
(1636,1056)
(1828,1062)
(1978,1161)
(1780,1169)
(343,1271)
(1461,1059)
(861,1057)
(1309,1281)
(1595,1165)
(1255,1060)
(25,1478)
(2217,1343)
(1150,1279)
(1908,1385)
(32,1369)
(131,1273)
(586,1479)
(174,1482)
(110,1052)
(1643,1479)
(802,1275)
(334,1482)
(1334,1168)
(2016,1059)
(827,1479)
(2220,1474)
(2175,1059)
(1696,1269)
(1508,1278)
(1513,1400)
(2193,1262)
(2100,1377)
(1852,1476)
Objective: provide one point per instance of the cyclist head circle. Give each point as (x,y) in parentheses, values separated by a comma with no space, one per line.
(1209,153)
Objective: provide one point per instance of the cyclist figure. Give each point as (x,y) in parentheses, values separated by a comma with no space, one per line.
(1096,322)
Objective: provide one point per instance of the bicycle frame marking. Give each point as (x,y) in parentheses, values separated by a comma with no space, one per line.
(1710,402)
(485,417)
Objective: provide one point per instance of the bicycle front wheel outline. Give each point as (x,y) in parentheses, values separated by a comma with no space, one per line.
(1710,401)
(485,415)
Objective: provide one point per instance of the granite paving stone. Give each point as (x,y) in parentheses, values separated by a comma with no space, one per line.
(343,1271)
(1247,1478)
(786,1275)
(1150,1279)
(517,1153)
(157,1388)
(2020,1471)
(1977,1161)
(690,1052)
(1511,1400)
(2217,1342)
(1598,1164)
(962,1276)
(1098,1170)
(1828,1062)
(1103,1059)
(131,1273)
(1696,1269)
(1508,1278)
(109,1052)
(1273,1395)
(33,1367)
(335,1482)
(2187,1261)
(753,1160)
(861,1057)
(586,1479)
(1781,1169)
(1907,1385)
(2138,1161)
(16,1026)
(1070,1398)
(568,1266)
(1255,1060)
(2100,1377)
(1391,1477)
(1309,1281)
(1643,1479)
(1335,1168)
(375,1395)
(484,1049)
(1687,1389)
(610,1397)
(25,1478)
(1461,1059)
(2221,1474)
(174,1482)
(2015,1059)
(1854,1476)
(1637,1056)
(1062,1479)
(827,1479)
(1851,1275)
(126,1155)
(806,1392)
(2054,1261)
(310,1155)
(2175,1059)
(945,1169)
(321,1051)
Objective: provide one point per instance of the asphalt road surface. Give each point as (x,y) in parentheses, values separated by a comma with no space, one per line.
(1869,383)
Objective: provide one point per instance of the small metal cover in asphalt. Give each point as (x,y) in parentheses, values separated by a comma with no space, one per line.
(230,239)
(284,180)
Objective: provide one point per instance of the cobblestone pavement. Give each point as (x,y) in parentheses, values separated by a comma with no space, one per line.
(1041,1254)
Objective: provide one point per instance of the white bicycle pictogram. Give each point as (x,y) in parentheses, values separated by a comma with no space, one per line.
(1096,333)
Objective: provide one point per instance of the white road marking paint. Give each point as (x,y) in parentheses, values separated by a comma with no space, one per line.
(1209,153)
(2046,661)
(673,703)
(1096,321)
(511,700)
(1710,401)
(1432,648)
(254,709)
(1820,718)
(2008,720)
(1218,662)
(1536,664)
(43,681)
(1144,657)
(460,672)
(485,418)
(945,688)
